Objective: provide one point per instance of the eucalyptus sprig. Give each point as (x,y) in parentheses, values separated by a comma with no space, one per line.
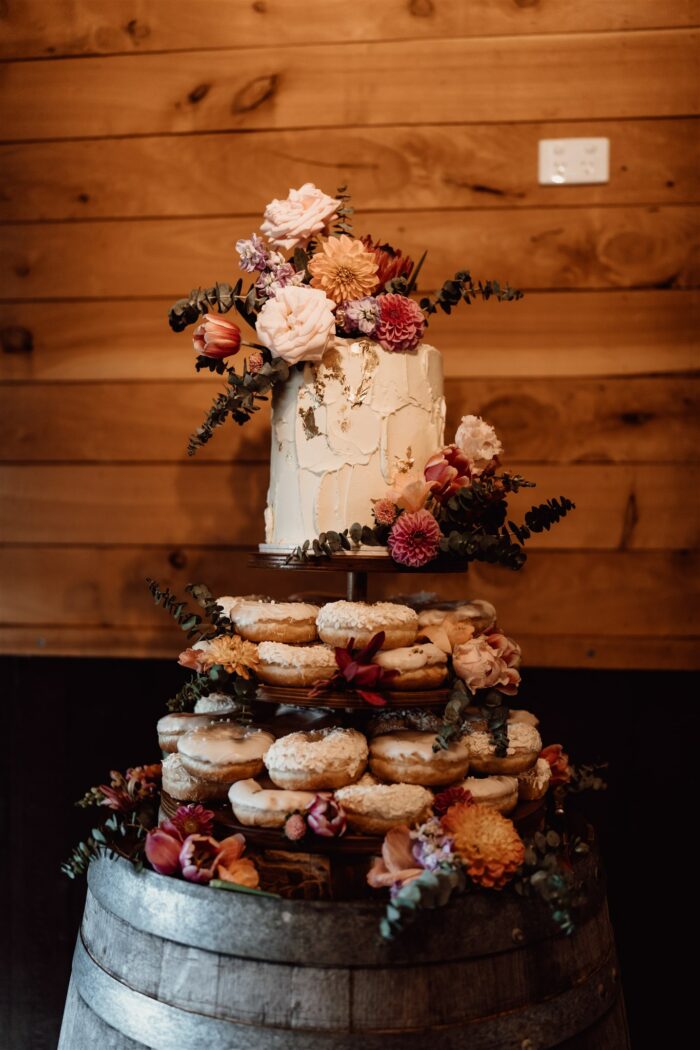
(431,889)
(462,287)
(216,680)
(453,717)
(344,213)
(546,874)
(541,518)
(221,296)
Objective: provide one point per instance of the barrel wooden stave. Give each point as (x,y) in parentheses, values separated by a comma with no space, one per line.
(547,989)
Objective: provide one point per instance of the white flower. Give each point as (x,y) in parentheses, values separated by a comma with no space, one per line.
(294,221)
(298,324)
(478,441)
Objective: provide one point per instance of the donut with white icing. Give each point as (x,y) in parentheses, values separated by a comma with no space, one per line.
(524,746)
(295,665)
(290,622)
(317,760)
(224,752)
(419,666)
(372,808)
(341,622)
(216,704)
(260,807)
(534,783)
(181,785)
(172,727)
(407,757)
(456,624)
(500,793)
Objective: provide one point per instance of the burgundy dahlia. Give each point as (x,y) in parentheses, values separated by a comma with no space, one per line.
(401,323)
(191,819)
(415,539)
(390,261)
(450,797)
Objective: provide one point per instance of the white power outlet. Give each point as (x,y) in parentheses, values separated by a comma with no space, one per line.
(568,162)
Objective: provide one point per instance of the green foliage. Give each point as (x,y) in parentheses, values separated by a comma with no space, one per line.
(541,518)
(188,621)
(345,212)
(222,296)
(478,545)
(216,680)
(119,835)
(587,778)
(453,717)
(545,874)
(462,287)
(432,889)
(240,399)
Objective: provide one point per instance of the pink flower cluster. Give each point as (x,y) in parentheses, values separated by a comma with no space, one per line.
(401,323)
(185,844)
(414,539)
(489,661)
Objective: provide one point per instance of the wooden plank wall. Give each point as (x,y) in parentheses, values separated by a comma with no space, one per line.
(140,138)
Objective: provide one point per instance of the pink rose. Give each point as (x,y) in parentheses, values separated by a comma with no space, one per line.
(297,325)
(294,221)
(216,337)
(508,650)
(480,667)
(163,850)
(447,471)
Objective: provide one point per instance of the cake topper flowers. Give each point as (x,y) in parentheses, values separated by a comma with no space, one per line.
(331,284)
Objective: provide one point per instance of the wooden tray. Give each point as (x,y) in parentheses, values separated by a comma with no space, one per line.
(298,696)
(349,562)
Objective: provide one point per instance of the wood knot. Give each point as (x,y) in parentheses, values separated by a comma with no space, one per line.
(83,198)
(198,93)
(260,6)
(177,559)
(137,30)
(421,8)
(636,419)
(629,521)
(255,93)
(526,3)
(16,340)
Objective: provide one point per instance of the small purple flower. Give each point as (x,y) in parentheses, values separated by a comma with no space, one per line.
(270,281)
(253,253)
(361,315)
(431,846)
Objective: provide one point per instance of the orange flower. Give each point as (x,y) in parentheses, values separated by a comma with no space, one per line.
(231,866)
(487,843)
(228,651)
(397,863)
(344,269)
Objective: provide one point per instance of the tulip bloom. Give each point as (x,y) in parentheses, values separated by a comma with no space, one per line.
(217,337)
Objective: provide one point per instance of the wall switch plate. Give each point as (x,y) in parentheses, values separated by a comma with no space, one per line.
(569,162)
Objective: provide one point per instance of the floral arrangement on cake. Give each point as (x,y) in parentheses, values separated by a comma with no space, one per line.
(310,280)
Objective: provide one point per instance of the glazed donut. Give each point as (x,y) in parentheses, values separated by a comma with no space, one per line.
(317,760)
(500,793)
(372,808)
(419,666)
(216,703)
(534,782)
(181,785)
(290,622)
(224,752)
(174,726)
(281,664)
(261,807)
(524,746)
(341,622)
(407,757)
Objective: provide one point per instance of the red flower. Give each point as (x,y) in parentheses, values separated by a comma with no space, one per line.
(163,850)
(401,323)
(450,797)
(356,671)
(447,471)
(559,762)
(415,539)
(390,261)
(216,337)
(192,819)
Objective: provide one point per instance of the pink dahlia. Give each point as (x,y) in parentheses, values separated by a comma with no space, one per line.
(401,323)
(414,539)
(192,819)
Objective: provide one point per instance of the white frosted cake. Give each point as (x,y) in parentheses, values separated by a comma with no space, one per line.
(345,430)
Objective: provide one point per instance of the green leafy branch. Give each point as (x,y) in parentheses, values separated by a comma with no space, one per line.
(328,543)
(188,621)
(453,716)
(221,296)
(240,399)
(545,874)
(541,518)
(431,889)
(216,680)
(118,836)
(462,287)
(343,222)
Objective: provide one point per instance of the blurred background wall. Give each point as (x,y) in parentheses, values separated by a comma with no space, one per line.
(141,139)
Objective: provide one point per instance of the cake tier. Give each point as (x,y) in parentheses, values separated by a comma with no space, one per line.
(347,429)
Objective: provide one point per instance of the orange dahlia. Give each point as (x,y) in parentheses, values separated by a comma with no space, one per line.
(228,651)
(487,843)
(344,269)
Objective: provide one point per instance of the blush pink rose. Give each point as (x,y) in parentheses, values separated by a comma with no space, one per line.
(508,650)
(305,213)
(216,337)
(480,667)
(297,325)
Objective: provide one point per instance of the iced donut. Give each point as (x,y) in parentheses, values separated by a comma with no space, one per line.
(174,726)
(340,622)
(534,782)
(224,752)
(281,664)
(457,623)
(524,746)
(500,793)
(261,807)
(419,666)
(372,808)
(291,622)
(181,785)
(318,760)
(407,757)
(523,716)
(216,704)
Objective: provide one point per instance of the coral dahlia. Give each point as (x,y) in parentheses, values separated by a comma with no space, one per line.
(343,269)
(401,323)
(487,843)
(415,539)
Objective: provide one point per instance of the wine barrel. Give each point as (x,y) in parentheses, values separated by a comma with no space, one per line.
(165,964)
